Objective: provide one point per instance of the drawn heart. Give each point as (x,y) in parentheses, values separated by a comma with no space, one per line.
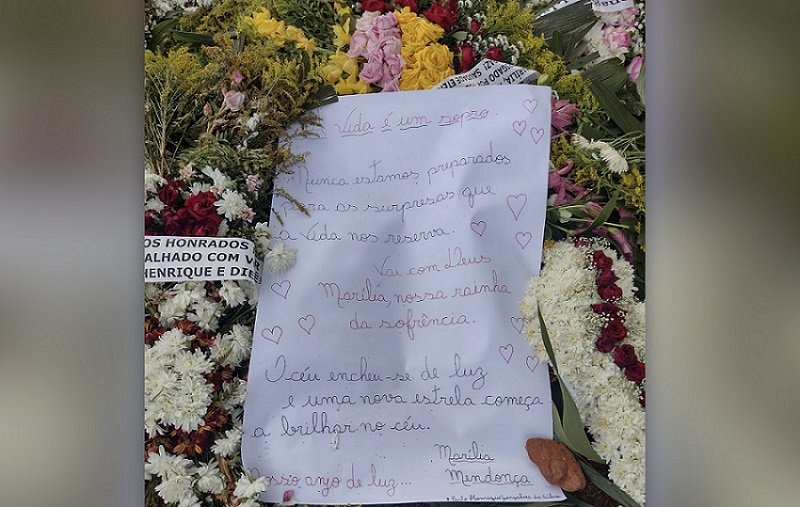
(530,105)
(536,134)
(523,239)
(282,288)
(478,227)
(519,127)
(273,335)
(532,362)
(518,324)
(307,323)
(506,351)
(516,203)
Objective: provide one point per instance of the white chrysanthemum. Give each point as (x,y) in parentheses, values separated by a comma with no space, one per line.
(263,236)
(175,488)
(616,162)
(165,464)
(232,294)
(198,187)
(190,500)
(205,313)
(152,181)
(154,204)
(239,339)
(246,488)
(209,479)
(220,180)
(231,204)
(229,444)
(233,394)
(280,258)
(607,401)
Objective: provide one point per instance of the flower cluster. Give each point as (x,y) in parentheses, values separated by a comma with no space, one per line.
(619,35)
(568,294)
(377,40)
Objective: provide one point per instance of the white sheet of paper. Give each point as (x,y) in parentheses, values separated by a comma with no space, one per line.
(389,363)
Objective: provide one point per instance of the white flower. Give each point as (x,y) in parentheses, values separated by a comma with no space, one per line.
(154,204)
(232,294)
(231,204)
(152,181)
(221,181)
(616,162)
(229,444)
(209,479)
(245,488)
(174,489)
(280,258)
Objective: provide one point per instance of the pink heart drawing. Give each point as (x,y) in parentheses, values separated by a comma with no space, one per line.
(478,227)
(532,362)
(307,323)
(530,104)
(523,239)
(273,335)
(536,134)
(282,288)
(506,351)
(518,324)
(519,127)
(516,203)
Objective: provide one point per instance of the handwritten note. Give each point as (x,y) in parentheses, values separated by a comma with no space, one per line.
(389,364)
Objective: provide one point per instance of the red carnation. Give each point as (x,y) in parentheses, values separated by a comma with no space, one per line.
(173,222)
(494,53)
(635,372)
(606,278)
(625,355)
(476,28)
(601,260)
(207,227)
(443,13)
(201,205)
(610,292)
(466,56)
(170,194)
(614,330)
(604,344)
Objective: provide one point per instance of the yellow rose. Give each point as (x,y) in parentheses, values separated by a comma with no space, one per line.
(433,64)
(416,31)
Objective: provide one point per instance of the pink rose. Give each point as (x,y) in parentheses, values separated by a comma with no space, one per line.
(393,65)
(234,100)
(616,38)
(635,67)
(373,70)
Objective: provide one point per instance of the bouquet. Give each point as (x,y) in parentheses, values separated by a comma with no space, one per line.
(224,82)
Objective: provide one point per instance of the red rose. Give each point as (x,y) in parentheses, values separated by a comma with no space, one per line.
(604,344)
(635,372)
(609,309)
(606,278)
(170,193)
(173,222)
(207,227)
(494,53)
(201,205)
(601,260)
(610,292)
(467,57)
(441,14)
(625,355)
(411,4)
(150,223)
(614,330)
(375,5)
(476,28)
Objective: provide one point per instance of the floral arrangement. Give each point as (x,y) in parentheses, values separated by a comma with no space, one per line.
(224,80)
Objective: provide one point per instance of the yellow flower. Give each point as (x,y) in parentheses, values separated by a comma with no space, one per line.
(351,85)
(308,44)
(432,64)
(268,26)
(416,31)
(342,36)
(294,34)
(339,63)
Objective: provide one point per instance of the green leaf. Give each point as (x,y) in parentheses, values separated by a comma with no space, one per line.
(573,434)
(605,212)
(160,31)
(460,36)
(193,38)
(577,501)
(610,73)
(612,105)
(607,486)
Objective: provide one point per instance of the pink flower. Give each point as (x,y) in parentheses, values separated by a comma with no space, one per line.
(372,72)
(564,189)
(237,76)
(635,67)
(617,38)
(562,114)
(234,100)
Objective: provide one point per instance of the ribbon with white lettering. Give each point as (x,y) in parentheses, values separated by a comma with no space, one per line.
(611,5)
(181,259)
(490,72)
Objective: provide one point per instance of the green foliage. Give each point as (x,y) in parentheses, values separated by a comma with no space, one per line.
(315,17)
(177,86)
